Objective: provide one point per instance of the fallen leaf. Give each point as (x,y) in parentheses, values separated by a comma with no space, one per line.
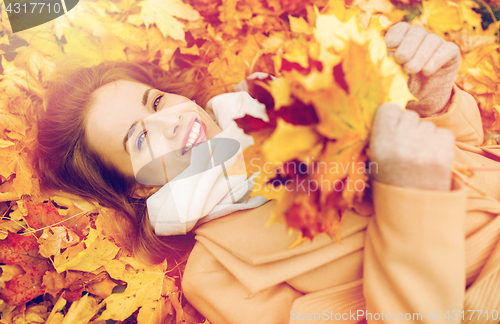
(164,13)
(10,272)
(81,311)
(89,255)
(147,287)
(53,239)
(42,215)
(53,282)
(23,251)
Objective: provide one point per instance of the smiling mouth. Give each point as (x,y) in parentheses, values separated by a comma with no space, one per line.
(195,136)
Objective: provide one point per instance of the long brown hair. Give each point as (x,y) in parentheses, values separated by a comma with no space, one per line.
(65,161)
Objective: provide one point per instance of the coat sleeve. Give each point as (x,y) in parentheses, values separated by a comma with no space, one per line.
(462,117)
(414,257)
(221,298)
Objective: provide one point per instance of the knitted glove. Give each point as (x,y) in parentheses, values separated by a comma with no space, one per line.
(431,62)
(409,152)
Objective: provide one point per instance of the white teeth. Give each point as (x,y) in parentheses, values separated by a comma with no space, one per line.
(192,136)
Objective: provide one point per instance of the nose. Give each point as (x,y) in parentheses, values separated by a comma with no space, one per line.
(171,126)
(168,123)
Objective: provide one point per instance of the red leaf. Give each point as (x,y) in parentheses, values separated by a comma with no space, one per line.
(41,215)
(249,124)
(23,251)
(293,170)
(298,113)
(288,66)
(339,76)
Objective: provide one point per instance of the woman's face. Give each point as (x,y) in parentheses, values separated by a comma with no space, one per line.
(146,133)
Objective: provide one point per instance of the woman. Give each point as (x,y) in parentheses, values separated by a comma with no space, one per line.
(409,258)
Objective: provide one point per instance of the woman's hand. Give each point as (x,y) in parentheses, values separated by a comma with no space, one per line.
(431,62)
(409,152)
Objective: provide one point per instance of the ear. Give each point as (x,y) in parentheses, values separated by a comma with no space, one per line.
(143,191)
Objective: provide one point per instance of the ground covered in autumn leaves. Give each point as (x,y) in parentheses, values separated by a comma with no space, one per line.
(61,259)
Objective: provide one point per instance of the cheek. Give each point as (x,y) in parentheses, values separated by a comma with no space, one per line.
(212,128)
(110,150)
(120,162)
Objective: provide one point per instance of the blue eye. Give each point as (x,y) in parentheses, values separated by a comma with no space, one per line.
(140,139)
(156,102)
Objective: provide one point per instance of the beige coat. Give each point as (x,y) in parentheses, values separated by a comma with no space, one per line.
(423,252)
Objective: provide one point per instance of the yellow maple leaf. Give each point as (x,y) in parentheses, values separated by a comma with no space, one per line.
(384,10)
(89,255)
(43,40)
(7,155)
(304,139)
(78,43)
(134,37)
(156,42)
(23,182)
(235,61)
(467,14)
(147,288)
(281,91)
(300,25)
(81,311)
(255,162)
(164,13)
(12,78)
(444,16)
(35,63)
(104,8)
(8,226)
(114,48)
(330,32)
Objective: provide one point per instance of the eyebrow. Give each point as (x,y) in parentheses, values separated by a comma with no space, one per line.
(145,97)
(144,101)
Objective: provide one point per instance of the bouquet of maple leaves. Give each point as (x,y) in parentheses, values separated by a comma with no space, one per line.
(62,261)
(320,119)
